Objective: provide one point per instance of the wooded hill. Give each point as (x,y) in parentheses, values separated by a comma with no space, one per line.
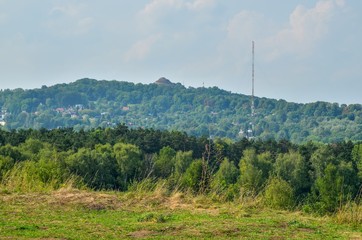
(88,103)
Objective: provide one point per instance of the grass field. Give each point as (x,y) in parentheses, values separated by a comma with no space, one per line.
(81,214)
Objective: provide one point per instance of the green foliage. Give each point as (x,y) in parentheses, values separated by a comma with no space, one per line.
(279,194)
(335,177)
(89,103)
(165,162)
(30,176)
(322,177)
(294,169)
(52,170)
(31,147)
(320,159)
(193,176)
(182,161)
(129,163)
(11,152)
(154,217)
(226,175)
(97,167)
(6,164)
(254,169)
(328,189)
(223,185)
(357,158)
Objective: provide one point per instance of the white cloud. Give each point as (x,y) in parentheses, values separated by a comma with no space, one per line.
(157,14)
(69,20)
(245,26)
(200,4)
(299,36)
(156,6)
(70,10)
(296,37)
(173,18)
(84,24)
(141,49)
(159,6)
(305,29)
(241,29)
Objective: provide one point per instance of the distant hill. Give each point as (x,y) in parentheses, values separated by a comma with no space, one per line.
(89,103)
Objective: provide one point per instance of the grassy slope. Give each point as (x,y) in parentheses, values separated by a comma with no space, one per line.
(75,214)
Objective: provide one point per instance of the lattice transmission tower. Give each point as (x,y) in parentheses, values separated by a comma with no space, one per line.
(250,132)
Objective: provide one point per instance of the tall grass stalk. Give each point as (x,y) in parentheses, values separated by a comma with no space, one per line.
(21,178)
(351,212)
(24,177)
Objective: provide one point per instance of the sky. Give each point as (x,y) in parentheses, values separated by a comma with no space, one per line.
(305,50)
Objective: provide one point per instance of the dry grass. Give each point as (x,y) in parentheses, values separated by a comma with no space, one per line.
(21,180)
(151,210)
(351,213)
(73,197)
(155,214)
(87,199)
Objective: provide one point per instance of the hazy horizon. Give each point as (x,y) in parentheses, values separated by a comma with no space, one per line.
(305,51)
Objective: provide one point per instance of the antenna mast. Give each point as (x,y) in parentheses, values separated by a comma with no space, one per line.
(252,77)
(251,129)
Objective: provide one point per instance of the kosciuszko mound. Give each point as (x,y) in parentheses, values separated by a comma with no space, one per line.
(89,103)
(164,82)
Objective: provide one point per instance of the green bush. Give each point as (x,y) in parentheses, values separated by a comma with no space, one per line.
(224,182)
(6,164)
(279,194)
(254,170)
(193,176)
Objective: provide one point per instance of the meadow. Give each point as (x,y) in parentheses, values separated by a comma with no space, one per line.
(70,213)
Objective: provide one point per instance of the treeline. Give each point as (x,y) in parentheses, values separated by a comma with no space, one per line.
(88,103)
(315,177)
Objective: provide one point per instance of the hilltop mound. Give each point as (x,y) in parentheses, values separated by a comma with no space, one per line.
(164,81)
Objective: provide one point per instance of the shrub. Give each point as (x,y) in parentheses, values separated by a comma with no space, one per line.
(6,164)
(254,170)
(224,181)
(279,194)
(192,178)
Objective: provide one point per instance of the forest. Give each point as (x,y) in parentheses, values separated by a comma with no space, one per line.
(203,112)
(313,177)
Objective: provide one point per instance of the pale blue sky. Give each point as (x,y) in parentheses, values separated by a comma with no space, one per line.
(305,51)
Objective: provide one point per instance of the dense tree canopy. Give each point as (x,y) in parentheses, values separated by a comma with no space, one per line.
(320,176)
(88,103)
